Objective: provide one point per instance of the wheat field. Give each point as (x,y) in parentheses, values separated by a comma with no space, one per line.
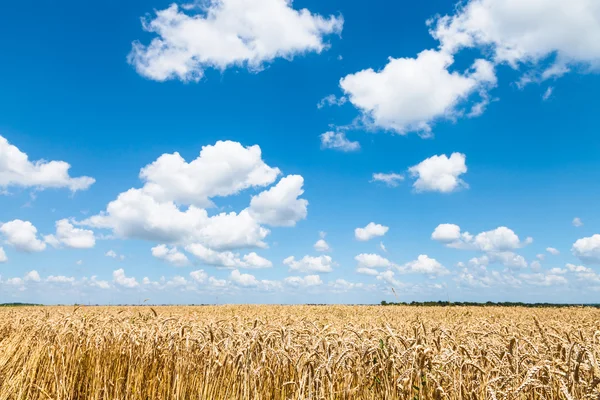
(299,352)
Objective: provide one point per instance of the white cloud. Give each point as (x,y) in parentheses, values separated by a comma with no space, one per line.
(17,170)
(32,276)
(331,100)
(372,261)
(310,264)
(552,251)
(338,141)
(321,245)
(557,271)
(410,94)
(22,235)
(254,261)
(199,276)
(228,259)
(541,257)
(245,280)
(391,179)
(577,222)
(367,271)
(228,33)
(223,169)
(3,257)
(70,236)
(208,256)
(584,274)
(440,173)
(120,279)
(217,283)
(94,282)
(14,281)
(170,255)
(281,205)
(370,231)
(389,277)
(526,32)
(547,93)
(497,240)
(587,249)
(382,247)
(506,258)
(535,265)
(60,279)
(446,233)
(541,279)
(307,281)
(424,265)
(79,262)
(113,254)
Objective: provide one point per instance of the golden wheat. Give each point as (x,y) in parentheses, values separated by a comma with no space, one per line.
(299,352)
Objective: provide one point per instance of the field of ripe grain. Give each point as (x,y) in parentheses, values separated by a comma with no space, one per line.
(299,352)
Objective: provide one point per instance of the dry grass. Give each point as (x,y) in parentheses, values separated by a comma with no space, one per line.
(299,352)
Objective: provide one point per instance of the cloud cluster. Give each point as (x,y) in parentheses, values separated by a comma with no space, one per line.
(167,208)
(498,244)
(544,39)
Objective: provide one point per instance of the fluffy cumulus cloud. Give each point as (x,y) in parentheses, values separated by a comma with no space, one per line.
(552,36)
(170,255)
(17,170)
(370,231)
(372,261)
(69,236)
(410,94)
(226,33)
(391,179)
(495,240)
(120,279)
(308,264)
(32,276)
(577,222)
(281,205)
(338,141)
(223,169)
(199,276)
(22,235)
(167,209)
(424,265)
(497,244)
(250,281)
(3,257)
(552,251)
(321,244)
(587,249)
(113,254)
(227,259)
(440,173)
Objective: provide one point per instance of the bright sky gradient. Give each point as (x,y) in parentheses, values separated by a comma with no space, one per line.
(269,151)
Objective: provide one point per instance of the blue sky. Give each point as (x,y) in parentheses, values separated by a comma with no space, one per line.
(486,113)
